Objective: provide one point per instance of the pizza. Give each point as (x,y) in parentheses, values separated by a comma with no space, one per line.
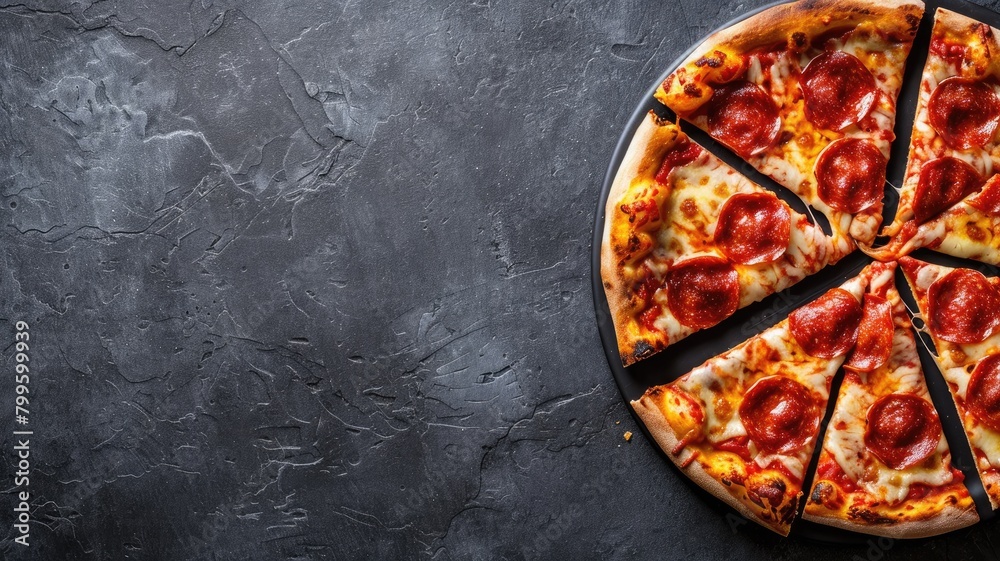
(960,308)
(954,148)
(688,240)
(744,424)
(885,466)
(806,93)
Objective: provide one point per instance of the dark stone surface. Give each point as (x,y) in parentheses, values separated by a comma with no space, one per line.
(310,280)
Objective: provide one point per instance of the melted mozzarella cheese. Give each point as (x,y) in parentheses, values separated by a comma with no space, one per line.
(794,465)
(709,384)
(847,444)
(926,277)
(779,72)
(988,442)
(754,72)
(895,485)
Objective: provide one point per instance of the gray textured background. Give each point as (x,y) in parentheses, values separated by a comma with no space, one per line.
(311,280)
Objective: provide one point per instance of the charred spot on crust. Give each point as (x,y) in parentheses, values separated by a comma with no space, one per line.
(822,492)
(798,40)
(913,21)
(642,350)
(692,90)
(713,61)
(868,516)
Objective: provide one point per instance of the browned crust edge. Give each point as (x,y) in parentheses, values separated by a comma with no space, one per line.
(774,25)
(949,519)
(651,141)
(954,21)
(665,437)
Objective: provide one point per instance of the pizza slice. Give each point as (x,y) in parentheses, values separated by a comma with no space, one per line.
(954,148)
(688,240)
(970,229)
(806,93)
(961,310)
(885,466)
(744,424)
(953,145)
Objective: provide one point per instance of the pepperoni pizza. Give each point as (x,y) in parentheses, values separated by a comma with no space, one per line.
(806,93)
(885,467)
(961,310)
(953,148)
(688,241)
(744,424)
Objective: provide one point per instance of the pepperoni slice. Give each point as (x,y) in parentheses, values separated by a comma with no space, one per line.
(838,90)
(702,291)
(964,112)
(850,174)
(982,396)
(963,307)
(875,333)
(780,414)
(827,327)
(743,117)
(987,200)
(682,154)
(753,228)
(902,430)
(943,182)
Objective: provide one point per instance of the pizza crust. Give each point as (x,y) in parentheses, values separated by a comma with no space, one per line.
(661,431)
(953,21)
(777,24)
(950,518)
(645,153)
